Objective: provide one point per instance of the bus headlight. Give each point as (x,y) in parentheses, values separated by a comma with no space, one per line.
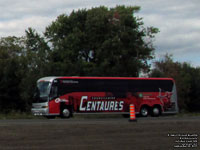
(44,106)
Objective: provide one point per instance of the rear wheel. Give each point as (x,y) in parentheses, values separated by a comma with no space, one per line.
(144,111)
(156,111)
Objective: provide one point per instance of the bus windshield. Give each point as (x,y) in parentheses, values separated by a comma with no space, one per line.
(42,91)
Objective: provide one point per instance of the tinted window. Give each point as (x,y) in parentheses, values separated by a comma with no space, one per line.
(150,85)
(119,87)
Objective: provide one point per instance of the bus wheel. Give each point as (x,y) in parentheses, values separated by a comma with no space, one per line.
(65,113)
(156,111)
(144,111)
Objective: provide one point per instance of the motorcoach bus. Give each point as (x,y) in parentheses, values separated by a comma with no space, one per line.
(63,96)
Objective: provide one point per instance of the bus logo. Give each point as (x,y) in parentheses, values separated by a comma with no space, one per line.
(103,105)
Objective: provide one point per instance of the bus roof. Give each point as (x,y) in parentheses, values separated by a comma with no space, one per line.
(50,79)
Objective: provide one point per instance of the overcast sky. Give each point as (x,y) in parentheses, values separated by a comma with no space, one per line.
(177,20)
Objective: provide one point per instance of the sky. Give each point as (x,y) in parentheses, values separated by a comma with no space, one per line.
(177,20)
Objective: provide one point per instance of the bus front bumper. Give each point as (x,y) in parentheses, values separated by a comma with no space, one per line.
(40,112)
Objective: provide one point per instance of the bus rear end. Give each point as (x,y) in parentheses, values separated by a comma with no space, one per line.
(172,106)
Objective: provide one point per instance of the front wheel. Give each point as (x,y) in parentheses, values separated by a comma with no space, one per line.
(65,113)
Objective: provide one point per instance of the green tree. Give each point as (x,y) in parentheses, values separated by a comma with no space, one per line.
(100,42)
(34,64)
(10,51)
(37,52)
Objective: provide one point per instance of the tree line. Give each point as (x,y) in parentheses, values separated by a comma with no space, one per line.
(95,42)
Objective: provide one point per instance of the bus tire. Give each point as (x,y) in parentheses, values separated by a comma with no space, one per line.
(144,111)
(65,113)
(156,111)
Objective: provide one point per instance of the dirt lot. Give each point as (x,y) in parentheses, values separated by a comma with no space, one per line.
(104,133)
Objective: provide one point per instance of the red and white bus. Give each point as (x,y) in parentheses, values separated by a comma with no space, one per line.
(63,96)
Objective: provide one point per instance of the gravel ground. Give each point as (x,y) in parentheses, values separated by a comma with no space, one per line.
(104,133)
